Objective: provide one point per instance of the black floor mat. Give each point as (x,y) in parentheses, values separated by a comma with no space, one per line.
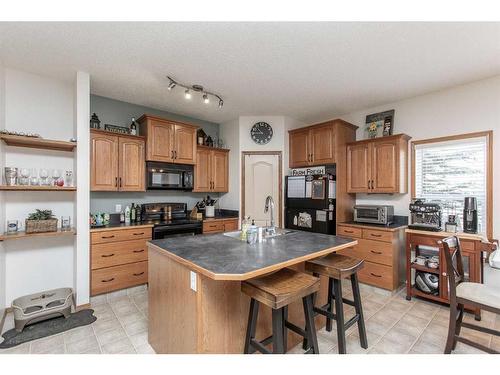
(47,328)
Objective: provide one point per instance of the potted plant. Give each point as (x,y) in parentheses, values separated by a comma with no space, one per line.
(41,221)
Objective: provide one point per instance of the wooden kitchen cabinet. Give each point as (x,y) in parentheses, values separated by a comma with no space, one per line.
(219,225)
(169,141)
(378,165)
(211,170)
(318,144)
(116,162)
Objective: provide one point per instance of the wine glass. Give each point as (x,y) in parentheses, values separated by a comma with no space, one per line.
(25,174)
(44,175)
(34,178)
(56,175)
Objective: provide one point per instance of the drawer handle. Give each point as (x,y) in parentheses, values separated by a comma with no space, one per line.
(138,234)
(139,274)
(106,237)
(348,231)
(376,252)
(139,251)
(375,235)
(374,274)
(107,255)
(108,280)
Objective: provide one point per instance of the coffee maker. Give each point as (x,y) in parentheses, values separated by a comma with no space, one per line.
(470,215)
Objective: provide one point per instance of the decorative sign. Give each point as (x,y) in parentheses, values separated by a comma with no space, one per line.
(380,124)
(308,171)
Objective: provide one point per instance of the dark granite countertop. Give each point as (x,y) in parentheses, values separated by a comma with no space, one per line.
(221,257)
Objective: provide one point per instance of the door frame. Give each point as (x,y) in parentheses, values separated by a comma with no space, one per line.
(280,185)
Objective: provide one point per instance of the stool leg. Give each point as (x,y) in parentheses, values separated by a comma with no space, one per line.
(359,311)
(339,312)
(278,331)
(310,327)
(251,326)
(330,304)
(285,332)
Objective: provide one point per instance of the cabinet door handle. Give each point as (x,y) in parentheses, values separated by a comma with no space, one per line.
(348,231)
(176,154)
(139,251)
(171,154)
(372,185)
(139,274)
(107,237)
(375,235)
(107,255)
(374,274)
(138,234)
(108,280)
(116,181)
(376,252)
(120,179)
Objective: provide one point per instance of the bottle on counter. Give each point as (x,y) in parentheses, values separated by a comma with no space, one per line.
(138,216)
(133,214)
(133,127)
(127,215)
(244,227)
(122,216)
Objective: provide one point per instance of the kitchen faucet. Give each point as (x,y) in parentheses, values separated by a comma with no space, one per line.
(270,204)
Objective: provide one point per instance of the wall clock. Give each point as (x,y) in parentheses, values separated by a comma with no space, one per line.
(261,133)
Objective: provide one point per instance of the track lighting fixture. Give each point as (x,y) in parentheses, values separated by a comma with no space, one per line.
(197,88)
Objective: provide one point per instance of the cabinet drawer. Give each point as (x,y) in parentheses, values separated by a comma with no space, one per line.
(378,235)
(467,245)
(349,232)
(377,275)
(213,226)
(121,235)
(116,253)
(375,251)
(424,240)
(230,225)
(118,277)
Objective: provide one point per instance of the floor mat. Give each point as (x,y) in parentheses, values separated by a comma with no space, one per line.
(47,328)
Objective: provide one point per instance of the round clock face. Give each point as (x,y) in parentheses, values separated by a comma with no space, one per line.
(261,133)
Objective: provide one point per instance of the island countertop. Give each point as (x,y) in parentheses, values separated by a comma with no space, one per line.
(221,257)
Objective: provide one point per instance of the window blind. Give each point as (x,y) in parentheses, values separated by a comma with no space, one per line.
(447,172)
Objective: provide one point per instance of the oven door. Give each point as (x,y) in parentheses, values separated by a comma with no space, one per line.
(164,231)
(311,220)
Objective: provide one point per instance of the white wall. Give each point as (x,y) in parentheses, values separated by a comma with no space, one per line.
(463,109)
(230,133)
(46,106)
(2,216)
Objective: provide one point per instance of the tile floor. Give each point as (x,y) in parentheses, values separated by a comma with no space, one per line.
(394,325)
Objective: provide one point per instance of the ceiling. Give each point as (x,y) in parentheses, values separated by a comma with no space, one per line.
(309,71)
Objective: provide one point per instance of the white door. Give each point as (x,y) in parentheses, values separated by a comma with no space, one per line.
(262,178)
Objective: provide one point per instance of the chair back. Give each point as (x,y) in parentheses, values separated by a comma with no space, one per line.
(450,247)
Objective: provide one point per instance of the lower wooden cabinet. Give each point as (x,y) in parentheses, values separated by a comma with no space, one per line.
(219,225)
(118,259)
(382,250)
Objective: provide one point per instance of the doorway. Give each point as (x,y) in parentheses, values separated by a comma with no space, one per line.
(261,175)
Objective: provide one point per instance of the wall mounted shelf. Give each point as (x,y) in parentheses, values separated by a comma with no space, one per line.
(35,188)
(40,143)
(21,235)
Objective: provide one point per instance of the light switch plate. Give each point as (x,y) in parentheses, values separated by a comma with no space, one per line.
(193,280)
(118,208)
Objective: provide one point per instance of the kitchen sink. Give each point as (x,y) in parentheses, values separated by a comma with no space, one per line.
(279,232)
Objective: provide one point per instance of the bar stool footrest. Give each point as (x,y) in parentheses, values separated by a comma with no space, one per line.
(258,345)
(297,330)
(323,311)
(351,321)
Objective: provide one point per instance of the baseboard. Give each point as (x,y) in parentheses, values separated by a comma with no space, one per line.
(82,307)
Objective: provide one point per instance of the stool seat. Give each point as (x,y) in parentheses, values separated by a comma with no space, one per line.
(335,265)
(281,288)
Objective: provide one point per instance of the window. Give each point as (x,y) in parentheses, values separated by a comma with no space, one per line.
(446,170)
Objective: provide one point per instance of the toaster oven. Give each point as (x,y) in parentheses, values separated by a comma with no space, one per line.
(374,214)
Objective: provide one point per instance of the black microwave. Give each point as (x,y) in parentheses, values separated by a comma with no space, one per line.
(168,176)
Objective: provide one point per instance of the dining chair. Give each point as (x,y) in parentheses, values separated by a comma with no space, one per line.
(461,293)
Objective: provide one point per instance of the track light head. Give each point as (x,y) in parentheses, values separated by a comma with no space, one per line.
(206,100)
(221,103)
(187,94)
(171,85)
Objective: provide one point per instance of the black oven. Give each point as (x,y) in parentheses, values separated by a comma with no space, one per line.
(168,176)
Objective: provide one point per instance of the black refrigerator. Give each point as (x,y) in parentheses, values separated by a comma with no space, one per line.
(310,203)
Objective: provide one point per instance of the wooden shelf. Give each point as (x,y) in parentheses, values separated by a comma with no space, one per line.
(35,188)
(425,269)
(418,293)
(21,235)
(40,143)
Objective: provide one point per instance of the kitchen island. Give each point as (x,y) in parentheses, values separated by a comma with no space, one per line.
(195,299)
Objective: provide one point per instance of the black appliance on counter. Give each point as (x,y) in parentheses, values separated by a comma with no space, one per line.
(425,216)
(310,203)
(470,215)
(170,220)
(168,176)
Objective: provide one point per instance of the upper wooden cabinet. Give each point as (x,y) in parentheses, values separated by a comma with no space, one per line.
(169,141)
(211,170)
(117,162)
(378,165)
(317,144)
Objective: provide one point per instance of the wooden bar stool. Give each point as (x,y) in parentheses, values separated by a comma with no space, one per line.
(277,291)
(337,267)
